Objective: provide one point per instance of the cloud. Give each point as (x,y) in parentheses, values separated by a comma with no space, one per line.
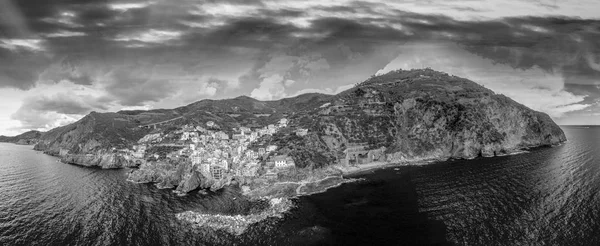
(163,53)
(128,6)
(40,120)
(270,88)
(63,34)
(52,105)
(134,87)
(330,91)
(61,103)
(64,19)
(22,44)
(65,70)
(150,36)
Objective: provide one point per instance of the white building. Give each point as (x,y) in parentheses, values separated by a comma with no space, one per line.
(205,168)
(217,172)
(222,135)
(280,160)
(225,164)
(252,154)
(283,161)
(271,148)
(140,151)
(283,122)
(302,132)
(196,158)
(245,130)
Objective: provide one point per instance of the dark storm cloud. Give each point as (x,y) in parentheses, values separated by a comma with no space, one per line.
(237,2)
(20,70)
(43,110)
(135,88)
(60,103)
(168,32)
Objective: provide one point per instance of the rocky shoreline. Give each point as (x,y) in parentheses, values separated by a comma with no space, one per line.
(236,224)
(354,170)
(279,195)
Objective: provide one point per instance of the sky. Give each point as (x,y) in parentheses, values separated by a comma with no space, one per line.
(61,59)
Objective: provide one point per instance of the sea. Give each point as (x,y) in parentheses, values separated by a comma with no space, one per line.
(544,196)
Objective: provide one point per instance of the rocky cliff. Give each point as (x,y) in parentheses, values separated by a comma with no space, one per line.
(422,115)
(178,174)
(93,141)
(402,116)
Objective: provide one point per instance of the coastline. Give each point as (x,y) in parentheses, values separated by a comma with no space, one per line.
(359,169)
(362,168)
(281,195)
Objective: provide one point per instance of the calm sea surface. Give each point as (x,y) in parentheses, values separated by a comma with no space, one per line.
(548,196)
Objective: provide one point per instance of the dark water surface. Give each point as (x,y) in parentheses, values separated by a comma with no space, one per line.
(548,196)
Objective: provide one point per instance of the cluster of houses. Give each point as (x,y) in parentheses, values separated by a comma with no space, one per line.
(218,154)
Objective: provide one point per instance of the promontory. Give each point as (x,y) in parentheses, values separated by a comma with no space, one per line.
(301,144)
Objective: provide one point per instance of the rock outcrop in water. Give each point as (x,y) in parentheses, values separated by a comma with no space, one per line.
(181,175)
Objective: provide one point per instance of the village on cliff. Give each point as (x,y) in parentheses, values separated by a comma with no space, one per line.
(215,153)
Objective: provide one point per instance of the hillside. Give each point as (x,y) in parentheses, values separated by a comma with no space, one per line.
(423,115)
(95,139)
(26,138)
(401,116)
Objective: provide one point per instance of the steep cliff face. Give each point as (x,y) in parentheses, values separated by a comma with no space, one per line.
(93,140)
(181,175)
(427,115)
(408,115)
